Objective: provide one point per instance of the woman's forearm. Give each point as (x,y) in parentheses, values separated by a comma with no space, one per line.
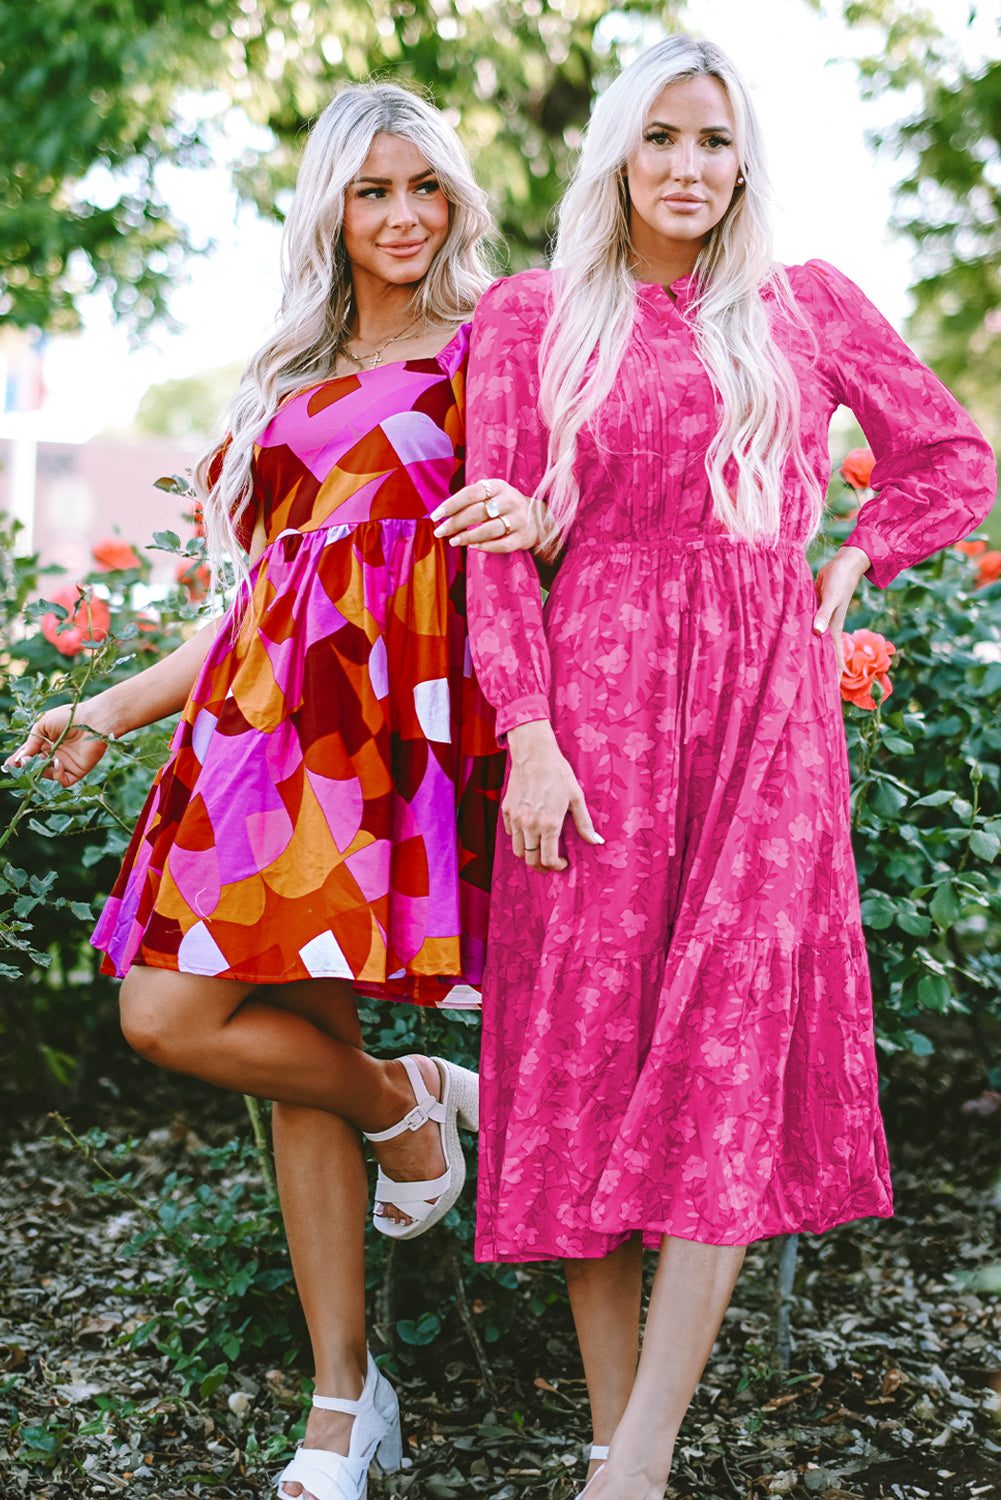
(160,690)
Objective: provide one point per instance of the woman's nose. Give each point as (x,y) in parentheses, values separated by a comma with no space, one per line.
(401,210)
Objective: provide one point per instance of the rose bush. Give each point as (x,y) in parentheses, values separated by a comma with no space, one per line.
(79,621)
(926,799)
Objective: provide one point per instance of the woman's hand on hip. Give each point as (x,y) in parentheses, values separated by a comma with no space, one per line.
(541,790)
(836,583)
(490,514)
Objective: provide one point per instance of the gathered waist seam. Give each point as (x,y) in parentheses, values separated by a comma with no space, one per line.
(657,543)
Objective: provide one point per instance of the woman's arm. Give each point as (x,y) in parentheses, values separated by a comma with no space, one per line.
(160,690)
(935,477)
(155,693)
(507,442)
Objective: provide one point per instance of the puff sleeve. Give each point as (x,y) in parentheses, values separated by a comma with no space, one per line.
(935,477)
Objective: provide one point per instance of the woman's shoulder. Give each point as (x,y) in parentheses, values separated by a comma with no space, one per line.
(818,283)
(527,296)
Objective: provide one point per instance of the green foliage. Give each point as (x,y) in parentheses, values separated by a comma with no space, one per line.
(95,94)
(52,997)
(950,206)
(926,800)
(226,1296)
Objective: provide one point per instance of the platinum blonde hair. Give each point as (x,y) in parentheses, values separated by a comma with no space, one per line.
(594,303)
(317,299)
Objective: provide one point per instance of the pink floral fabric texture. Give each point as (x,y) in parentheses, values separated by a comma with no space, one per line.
(678,1033)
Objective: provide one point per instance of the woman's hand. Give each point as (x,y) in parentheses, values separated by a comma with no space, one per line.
(836,584)
(77,754)
(490,514)
(540,791)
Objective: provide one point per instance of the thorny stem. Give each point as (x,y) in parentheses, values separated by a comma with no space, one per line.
(261,1145)
(973,822)
(869,737)
(93,1160)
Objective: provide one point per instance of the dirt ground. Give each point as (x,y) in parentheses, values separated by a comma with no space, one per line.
(893,1390)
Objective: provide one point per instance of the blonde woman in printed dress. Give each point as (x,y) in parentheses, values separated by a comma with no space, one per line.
(325,822)
(677,1044)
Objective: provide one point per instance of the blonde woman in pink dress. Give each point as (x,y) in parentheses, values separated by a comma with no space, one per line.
(678,1036)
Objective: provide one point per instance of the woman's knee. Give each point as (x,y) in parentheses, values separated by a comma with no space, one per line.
(141,1021)
(155,1023)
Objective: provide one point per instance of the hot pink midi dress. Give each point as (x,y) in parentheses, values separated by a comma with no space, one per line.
(678,1030)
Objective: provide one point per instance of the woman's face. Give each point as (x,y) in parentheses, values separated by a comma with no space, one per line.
(395,215)
(683,173)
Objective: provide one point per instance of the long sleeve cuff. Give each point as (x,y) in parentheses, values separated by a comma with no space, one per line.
(522,711)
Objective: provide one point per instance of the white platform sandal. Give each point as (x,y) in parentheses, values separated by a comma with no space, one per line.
(374,1436)
(459,1105)
(596,1450)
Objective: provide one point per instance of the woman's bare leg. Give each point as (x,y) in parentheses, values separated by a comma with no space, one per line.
(235,1036)
(605,1297)
(691,1292)
(324,1193)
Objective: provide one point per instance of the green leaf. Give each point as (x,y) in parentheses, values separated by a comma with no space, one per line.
(878,910)
(167,541)
(888,800)
(424,1331)
(213,1380)
(914,923)
(935,799)
(897,744)
(984,845)
(934,991)
(918,1043)
(80,909)
(944,906)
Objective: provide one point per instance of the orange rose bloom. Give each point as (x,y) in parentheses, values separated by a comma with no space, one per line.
(988,569)
(195,577)
(857,468)
(867,660)
(972,548)
(86,624)
(114,556)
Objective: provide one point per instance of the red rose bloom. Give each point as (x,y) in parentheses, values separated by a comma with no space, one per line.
(857,468)
(972,547)
(86,624)
(867,660)
(114,556)
(988,569)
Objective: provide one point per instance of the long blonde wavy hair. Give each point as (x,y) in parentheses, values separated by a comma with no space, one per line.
(594,303)
(317,301)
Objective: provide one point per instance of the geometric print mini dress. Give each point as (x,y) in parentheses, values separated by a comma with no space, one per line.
(329,805)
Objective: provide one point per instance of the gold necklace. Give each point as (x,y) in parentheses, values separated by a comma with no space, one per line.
(375,355)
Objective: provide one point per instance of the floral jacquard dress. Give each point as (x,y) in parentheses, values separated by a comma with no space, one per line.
(678,1033)
(328,809)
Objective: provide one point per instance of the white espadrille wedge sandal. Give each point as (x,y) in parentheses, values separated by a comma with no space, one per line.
(375,1436)
(427,1202)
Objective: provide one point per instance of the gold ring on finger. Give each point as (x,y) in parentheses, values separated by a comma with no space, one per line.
(531,848)
(506,524)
